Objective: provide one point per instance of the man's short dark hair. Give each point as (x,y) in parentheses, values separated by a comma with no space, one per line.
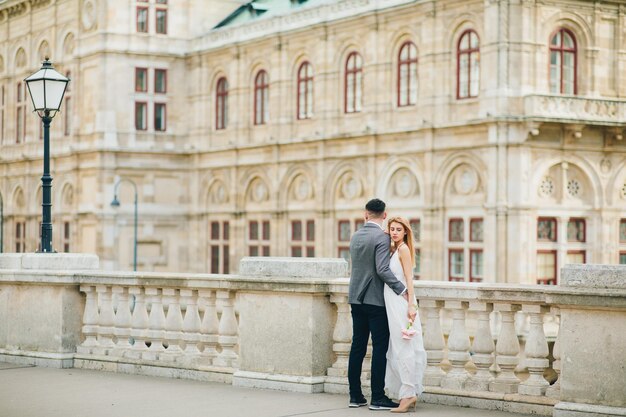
(376,206)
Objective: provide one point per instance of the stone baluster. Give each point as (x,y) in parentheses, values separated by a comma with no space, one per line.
(536,353)
(458,346)
(138,324)
(483,348)
(191,326)
(122,321)
(106,321)
(173,326)
(227,331)
(507,351)
(209,327)
(342,336)
(156,325)
(90,321)
(554,391)
(434,342)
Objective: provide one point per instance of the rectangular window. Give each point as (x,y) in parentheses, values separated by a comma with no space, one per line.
(310,230)
(259,238)
(141,80)
(576,257)
(67,116)
(296,251)
(66,237)
(161,21)
(218,247)
(141,116)
(160,81)
(160,114)
(622,258)
(296,230)
(19,125)
(546,229)
(546,267)
(456,230)
(418,264)
(1,116)
(476,230)
(142,19)
(303,244)
(20,236)
(344,233)
(415,227)
(622,231)
(344,230)
(20,116)
(456,265)
(476,265)
(576,230)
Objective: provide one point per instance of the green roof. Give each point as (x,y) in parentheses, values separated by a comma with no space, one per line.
(257,9)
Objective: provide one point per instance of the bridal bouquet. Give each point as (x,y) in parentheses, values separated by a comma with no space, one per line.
(408,332)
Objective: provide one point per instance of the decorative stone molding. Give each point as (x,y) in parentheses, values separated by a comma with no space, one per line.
(579,109)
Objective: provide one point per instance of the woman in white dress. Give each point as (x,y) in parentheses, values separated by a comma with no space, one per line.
(406,357)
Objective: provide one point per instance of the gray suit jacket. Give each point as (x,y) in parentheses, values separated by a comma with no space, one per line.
(369,252)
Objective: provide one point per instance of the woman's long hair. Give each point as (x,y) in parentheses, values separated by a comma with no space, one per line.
(408,234)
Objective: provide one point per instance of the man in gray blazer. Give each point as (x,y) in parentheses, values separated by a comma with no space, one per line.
(369,252)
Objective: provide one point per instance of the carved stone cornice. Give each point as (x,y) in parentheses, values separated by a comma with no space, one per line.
(16,9)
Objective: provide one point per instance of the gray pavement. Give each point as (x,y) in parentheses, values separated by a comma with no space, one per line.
(44,392)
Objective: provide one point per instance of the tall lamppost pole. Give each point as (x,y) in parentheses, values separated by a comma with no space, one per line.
(116,203)
(46,88)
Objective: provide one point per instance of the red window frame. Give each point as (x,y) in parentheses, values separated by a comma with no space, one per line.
(471,275)
(556,229)
(469,51)
(450,221)
(164,72)
(305,82)
(412,74)
(138,89)
(142,9)
(261,97)
(579,252)
(353,79)
(221,103)
(473,221)
(621,253)
(621,222)
(450,277)
(584,223)
(549,281)
(162,128)
(156,20)
(20,236)
(144,105)
(20,114)
(66,237)
(562,50)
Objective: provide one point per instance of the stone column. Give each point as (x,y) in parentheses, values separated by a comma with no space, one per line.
(434,343)
(209,327)
(173,325)
(191,326)
(536,353)
(483,348)
(138,324)
(458,347)
(507,351)
(156,325)
(227,338)
(122,321)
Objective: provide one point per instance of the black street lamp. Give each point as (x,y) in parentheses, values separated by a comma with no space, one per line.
(46,88)
(116,203)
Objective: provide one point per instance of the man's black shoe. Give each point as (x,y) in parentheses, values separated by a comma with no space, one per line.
(356,402)
(383,404)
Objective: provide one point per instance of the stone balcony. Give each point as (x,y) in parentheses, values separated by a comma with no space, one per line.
(575,110)
(284,323)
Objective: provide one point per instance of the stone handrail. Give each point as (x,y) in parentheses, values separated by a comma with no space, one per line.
(488,345)
(575,109)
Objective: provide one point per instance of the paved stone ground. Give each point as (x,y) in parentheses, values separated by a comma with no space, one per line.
(44,392)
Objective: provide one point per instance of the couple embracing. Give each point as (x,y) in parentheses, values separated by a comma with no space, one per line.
(383,303)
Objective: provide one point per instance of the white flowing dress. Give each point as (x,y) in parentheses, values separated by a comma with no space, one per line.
(406,359)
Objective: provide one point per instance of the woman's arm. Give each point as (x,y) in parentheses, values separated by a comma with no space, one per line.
(407,268)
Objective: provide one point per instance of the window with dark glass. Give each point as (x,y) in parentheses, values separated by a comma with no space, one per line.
(261,98)
(563,57)
(160,81)
(468,65)
(141,80)
(160,114)
(546,229)
(141,116)
(221,104)
(259,238)
(353,94)
(161,20)
(456,230)
(142,19)
(576,230)
(407,74)
(305,91)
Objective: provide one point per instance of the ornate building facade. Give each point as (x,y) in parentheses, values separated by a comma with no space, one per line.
(263,127)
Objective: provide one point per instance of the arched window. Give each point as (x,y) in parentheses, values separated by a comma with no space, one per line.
(305,91)
(353,83)
(563,62)
(261,98)
(221,104)
(407,75)
(468,65)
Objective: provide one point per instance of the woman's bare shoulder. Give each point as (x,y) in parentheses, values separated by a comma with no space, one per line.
(403,250)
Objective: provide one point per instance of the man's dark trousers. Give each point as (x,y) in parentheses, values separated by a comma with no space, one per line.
(368,318)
